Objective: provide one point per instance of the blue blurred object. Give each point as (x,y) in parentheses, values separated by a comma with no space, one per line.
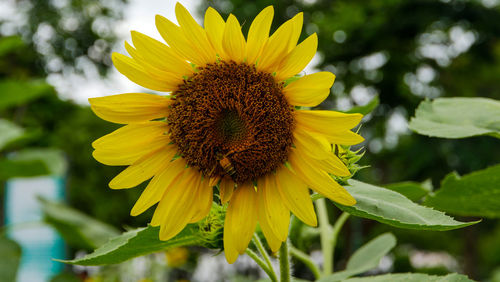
(40,243)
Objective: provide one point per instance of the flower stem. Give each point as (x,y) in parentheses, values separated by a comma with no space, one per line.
(262,251)
(325,231)
(284,263)
(304,258)
(336,229)
(262,264)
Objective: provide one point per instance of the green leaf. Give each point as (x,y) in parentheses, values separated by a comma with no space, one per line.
(22,168)
(135,243)
(53,158)
(411,190)
(10,132)
(142,241)
(412,277)
(33,162)
(78,229)
(475,194)
(9,44)
(366,109)
(365,258)
(389,207)
(9,260)
(457,118)
(18,92)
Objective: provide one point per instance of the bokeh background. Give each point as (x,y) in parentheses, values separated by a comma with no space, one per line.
(56,54)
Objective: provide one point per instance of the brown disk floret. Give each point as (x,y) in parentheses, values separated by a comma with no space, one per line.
(229,119)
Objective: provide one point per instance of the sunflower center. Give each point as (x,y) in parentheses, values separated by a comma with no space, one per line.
(230,120)
(231,127)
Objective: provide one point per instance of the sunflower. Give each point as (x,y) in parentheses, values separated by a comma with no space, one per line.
(233,120)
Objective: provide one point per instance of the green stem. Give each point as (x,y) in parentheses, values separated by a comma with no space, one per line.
(284,263)
(262,251)
(262,264)
(336,229)
(304,258)
(325,231)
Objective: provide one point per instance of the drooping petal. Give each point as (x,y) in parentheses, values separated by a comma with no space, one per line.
(160,55)
(175,38)
(259,33)
(144,168)
(204,199)
(298,59)
(226,188)
(272,241)
(309,90)
(313,144)
(176,207)
(327,122)
(136,73)
(233,40)
(130,107)
(277,46)
(319,180)
(241,216)
(170,175)
(272,207)
(229,247)
(295,195)
(194,32)
(214,27)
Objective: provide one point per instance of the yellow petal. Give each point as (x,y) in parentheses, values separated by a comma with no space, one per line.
(273,242)
(170,174)
(213,181)
(130,107)
(226,188)
(136,73)
(329,163)
(326,122)
(175,38)
(176,207)
(233,41)
(276,47)
(242,216)
(229,246)
(313,144)
(128,153)
(272,207)
(203,201)
(319,180)
(259,33)
(144,168)
(298,59)
(194,32)
(214,27)
(297,30)
(160,55)
(172,79)
(309,90)
(131,135)
(295,195)
(346,137)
